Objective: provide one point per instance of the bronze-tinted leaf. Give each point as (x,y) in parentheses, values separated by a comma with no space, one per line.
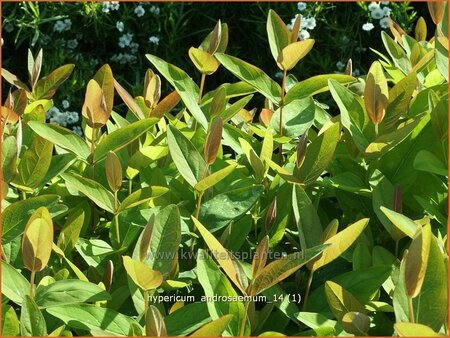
(417,261)
(113,171)
(152,88)
(349,68)
(105,80)
(129,101)
(216,36)
(218,103)
(36,69)
(341,301)
(95,108)
(271,214)
(213,140)
(293,53)
(421,30)
(46,87)
(154,323)
(146,237)
(436,9)
(142,275)
(296,28)
(37,240)
(203,61)
(108,276)
(356,323)
(265,116)
(260,257)
(165,105)
(396,30)
(376,93)
(301,150)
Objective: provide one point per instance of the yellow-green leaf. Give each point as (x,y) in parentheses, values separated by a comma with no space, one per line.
(278,34)
(339,243)
(356,323)
(417,261)
(37,240)
(420,31)
(203,61)
(260,257)
(223,257)
(414,330)
(113,171)
(214,178)
(293,53)
(95,110)
(376,93)
(214,328)
(267,146)
(105,80)
(403,226)
(142,275)
(154,323)
(341,301)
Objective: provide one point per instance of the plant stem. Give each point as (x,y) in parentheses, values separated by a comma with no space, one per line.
(280,127)
(32,284)
(376,129)
(92,175)
(145,301)
(308,286)
(24,195)
(116,218)
(396,248)
(411,310)
(200,94)
(197,212)
(130,186)
(244,319)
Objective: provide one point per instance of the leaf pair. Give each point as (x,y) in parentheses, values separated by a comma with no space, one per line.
(285,48)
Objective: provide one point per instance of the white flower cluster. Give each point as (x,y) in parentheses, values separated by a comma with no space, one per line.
(139,11)
(307,23)
(120,26)
(378,11)
(154,10)
(61,26)
(63,118)
(108,6)
(123,58)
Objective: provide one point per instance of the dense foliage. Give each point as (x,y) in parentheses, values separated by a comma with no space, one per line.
(194,214)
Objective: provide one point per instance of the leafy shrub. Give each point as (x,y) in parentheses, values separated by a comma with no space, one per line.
(328,225)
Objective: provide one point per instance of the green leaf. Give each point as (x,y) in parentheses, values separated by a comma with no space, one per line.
(252,75)
(223,208)
(92,189)
(414,330)
(361,257)
(405,225)
(353,116)
(278,34)
(211,180)
(184,85)
(341,301)
(430,306)
(32,322)
(61,137)
(234,108)
(46,87)
(427,161)
(357,323)
(225,259)
(154,323)
(319,154)
(214,328)
(14,286)
(186,157)
(164,240)
(77,217)
(9,158)
(142,196)
(10,322)
(397,54)
(376,93)
(298,117)
(293,53)
(35,163)
(91,317)
(214,282)
(69,291)
(142,275)
(187,319)
(122,137)
(16,215)
(339,243)
(203,61)
(315,85)
(282,268)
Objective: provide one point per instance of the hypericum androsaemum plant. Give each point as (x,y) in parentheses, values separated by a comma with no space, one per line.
(322,211)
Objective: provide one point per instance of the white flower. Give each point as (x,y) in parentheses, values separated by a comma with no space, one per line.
(72,44)
(385,3)
(56,116)
(154,39)
(65,104)
(72,117)
(134,47)
(340,65)
(301,6)
(290,25)
(377,13)
(61,26)
(278,75)
(309,23)
(51,112)
(154,10)
(303,34)
(9,27)
(139,11)
(108,6)
(384,23)
(368,26)
(125,40)
(120,26)
(386,11)
(373,6)
(77,130)
(356,72)
(123,58)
